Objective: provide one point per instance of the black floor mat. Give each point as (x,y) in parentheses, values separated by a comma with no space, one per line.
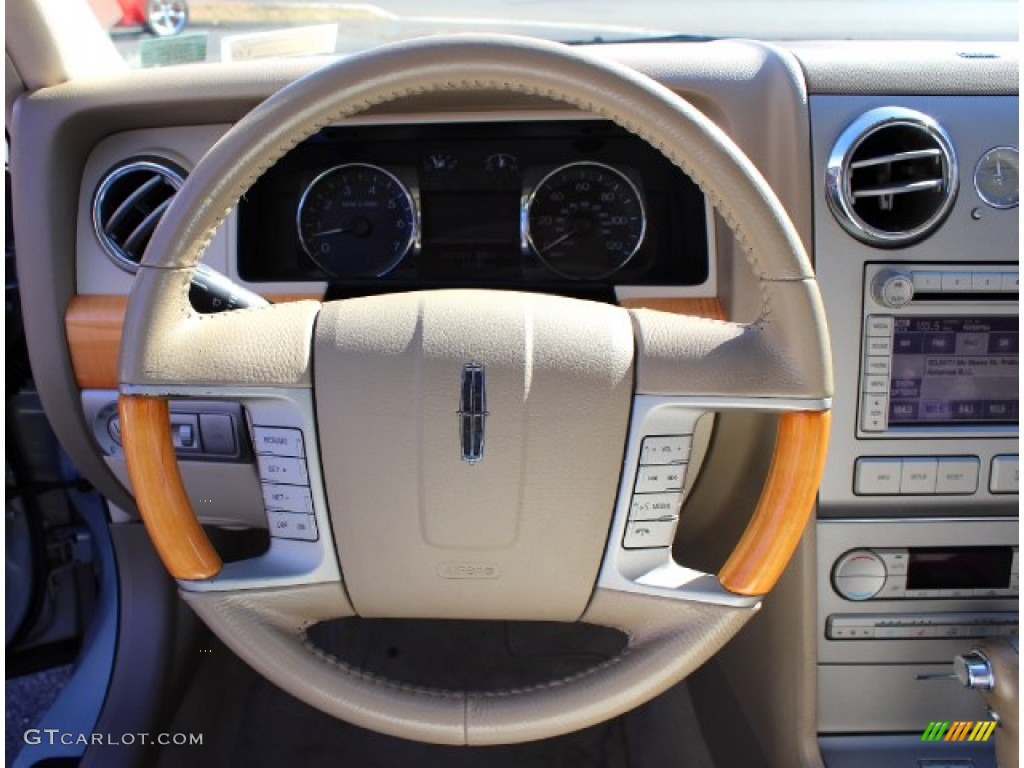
(246,721)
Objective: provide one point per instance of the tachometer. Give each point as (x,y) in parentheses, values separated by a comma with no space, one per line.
(585,220)
(357,220)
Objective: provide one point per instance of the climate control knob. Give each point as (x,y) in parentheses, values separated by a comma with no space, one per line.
(892,289)
(859,575)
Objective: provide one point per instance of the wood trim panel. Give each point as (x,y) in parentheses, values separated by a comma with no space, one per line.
(701,307)
(172,525)
(785,505)
(93,325)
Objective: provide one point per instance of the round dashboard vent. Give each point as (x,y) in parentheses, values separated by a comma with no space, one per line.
(128,203)
(892,177)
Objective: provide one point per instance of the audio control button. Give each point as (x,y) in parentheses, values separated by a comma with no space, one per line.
(877,477)
(956,282)
(927,282)
(918,476)
(893,289)
(874,413)
(879,325)
(1005,477)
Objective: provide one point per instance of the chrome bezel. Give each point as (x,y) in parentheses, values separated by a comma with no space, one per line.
(977,187)
(526,235)
(114,252)
(837,175)
(413,241)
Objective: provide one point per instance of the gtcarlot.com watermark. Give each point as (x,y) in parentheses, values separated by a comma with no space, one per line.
(54,736)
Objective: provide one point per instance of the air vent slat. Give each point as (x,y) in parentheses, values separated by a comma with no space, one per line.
(128,204)
(136,242)
(131,203)
(892,177)
(898,157)
(899,189)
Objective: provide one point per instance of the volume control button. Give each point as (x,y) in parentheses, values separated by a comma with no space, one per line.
(893,289)
(859,575)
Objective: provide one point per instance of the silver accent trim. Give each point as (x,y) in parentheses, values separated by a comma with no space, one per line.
(472,412)
(842,197)
(117,253)
(654,571)
(526,237)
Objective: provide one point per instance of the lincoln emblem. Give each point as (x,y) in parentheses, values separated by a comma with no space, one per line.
(472,412)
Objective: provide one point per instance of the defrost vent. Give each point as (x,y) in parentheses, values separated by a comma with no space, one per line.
(892,177)
(128,204)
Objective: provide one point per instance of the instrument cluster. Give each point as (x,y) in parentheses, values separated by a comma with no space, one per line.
(523,205)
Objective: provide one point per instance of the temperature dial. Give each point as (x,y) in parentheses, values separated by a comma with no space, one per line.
(859,575)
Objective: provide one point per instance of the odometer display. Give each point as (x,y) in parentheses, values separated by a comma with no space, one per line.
(585,220)
(357,220)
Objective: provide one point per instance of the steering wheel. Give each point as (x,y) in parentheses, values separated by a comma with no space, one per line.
(383,405)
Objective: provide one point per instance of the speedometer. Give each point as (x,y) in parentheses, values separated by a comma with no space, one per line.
(585,220)
(357,220)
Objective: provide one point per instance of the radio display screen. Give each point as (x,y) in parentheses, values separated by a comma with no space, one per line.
(960,568)
(954,371)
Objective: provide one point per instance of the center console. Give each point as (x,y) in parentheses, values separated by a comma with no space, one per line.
(917,528)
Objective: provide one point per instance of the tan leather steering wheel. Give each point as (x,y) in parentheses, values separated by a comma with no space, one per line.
(536,530)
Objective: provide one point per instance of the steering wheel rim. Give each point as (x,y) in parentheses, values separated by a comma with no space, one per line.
(780,361)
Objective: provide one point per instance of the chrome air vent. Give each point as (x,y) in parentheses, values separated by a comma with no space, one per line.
(892,177)
(129,202)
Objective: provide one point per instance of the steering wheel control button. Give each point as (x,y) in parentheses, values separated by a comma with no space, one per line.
(218,433)
(667,449)
(185,432)
(278,469)
(877,477)
(1005,475)
(859,575)
(290,525)
(278,441)
(649,534)
(289,498)
(655,506)
(658,479)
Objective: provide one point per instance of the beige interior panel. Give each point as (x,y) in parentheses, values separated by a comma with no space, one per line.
(421,532)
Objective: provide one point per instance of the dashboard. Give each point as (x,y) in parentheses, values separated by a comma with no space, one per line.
(899,171)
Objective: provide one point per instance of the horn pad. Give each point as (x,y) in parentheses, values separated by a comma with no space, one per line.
(426,528)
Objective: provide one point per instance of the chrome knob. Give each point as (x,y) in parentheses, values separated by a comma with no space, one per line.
(974,671)
(893,289)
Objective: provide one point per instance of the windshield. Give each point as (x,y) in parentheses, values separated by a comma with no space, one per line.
(162,32)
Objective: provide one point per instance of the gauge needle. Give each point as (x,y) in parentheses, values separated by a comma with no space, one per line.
(555,242)
(335,231)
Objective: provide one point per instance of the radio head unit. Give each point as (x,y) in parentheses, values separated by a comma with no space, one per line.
(940,351)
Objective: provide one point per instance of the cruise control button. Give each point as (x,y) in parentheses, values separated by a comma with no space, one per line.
(654,506)
(649,534)
(277,469)
(289,525)
(666,449)
(292,498)
(659,479)
(278,441)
